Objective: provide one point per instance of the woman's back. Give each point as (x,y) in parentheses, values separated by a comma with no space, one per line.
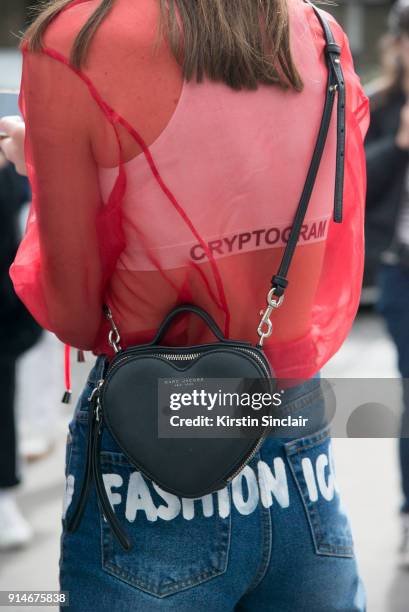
(200,185)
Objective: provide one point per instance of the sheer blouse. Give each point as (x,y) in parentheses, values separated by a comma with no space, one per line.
(149,191)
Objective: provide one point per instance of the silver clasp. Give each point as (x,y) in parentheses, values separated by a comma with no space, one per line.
(265,328)
(114,337)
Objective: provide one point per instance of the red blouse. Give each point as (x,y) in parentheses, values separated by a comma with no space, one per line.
(149,192)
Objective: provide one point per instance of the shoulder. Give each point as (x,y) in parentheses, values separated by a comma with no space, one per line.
(306,12)
(126,26)
(65,27)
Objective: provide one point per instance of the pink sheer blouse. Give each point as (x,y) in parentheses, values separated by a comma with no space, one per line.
(149,191)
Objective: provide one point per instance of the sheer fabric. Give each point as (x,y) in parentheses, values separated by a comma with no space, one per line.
(149,192)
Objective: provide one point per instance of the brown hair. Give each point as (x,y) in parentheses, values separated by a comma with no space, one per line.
(239,42)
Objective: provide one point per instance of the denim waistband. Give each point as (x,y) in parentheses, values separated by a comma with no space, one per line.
(98,369)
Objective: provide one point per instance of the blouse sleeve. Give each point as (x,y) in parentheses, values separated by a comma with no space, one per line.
(337,299)
(357,103)
(58,271)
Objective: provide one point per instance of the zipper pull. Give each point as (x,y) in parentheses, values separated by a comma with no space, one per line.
(95,404)
(94,418)
(105,504)
(96,390)
(97,412)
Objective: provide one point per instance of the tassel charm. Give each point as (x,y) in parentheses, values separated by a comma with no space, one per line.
(66,398)
(80,356)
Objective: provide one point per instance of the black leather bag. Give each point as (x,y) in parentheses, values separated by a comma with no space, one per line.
(126,399)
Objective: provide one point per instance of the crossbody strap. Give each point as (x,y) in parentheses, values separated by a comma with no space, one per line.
(335,88)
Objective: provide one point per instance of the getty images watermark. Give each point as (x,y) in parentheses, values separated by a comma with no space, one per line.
(225,408)
(223,404)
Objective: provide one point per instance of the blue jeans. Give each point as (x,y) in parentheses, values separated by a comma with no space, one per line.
(276,539)
(393,304)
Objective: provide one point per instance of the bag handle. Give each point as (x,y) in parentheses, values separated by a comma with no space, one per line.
(114,337)
(335,85)
(188,308)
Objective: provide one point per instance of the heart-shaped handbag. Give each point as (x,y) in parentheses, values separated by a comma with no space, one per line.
(128,401)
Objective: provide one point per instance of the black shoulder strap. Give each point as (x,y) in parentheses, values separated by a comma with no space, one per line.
(335,87)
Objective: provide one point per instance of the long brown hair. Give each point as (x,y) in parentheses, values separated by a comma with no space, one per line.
(239,42)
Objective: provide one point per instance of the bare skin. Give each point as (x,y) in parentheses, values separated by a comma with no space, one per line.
(12,134)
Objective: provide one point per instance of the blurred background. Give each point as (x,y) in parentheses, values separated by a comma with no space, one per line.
(368,470)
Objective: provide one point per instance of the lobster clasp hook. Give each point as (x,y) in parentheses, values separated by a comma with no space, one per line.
(265,328)
(114,340)
(114,337)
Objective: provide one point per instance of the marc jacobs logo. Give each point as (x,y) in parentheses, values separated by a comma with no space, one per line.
(186,381)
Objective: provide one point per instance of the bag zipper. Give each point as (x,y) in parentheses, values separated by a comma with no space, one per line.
(176,357)
(262,438)
(76,517)
(258,358)
(92,467)
(93,471)
(192,356)
(245,461)
(249,457)
(107,510)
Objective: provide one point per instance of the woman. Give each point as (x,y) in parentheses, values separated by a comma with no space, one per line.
(18,333)
(387,150)
(167,168)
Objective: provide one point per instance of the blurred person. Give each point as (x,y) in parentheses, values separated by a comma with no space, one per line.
(18,332)
(220,142)
(39,397)
(38,388)
(387,225)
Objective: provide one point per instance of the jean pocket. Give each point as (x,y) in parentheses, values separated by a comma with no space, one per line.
(177,543)
(311,463)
